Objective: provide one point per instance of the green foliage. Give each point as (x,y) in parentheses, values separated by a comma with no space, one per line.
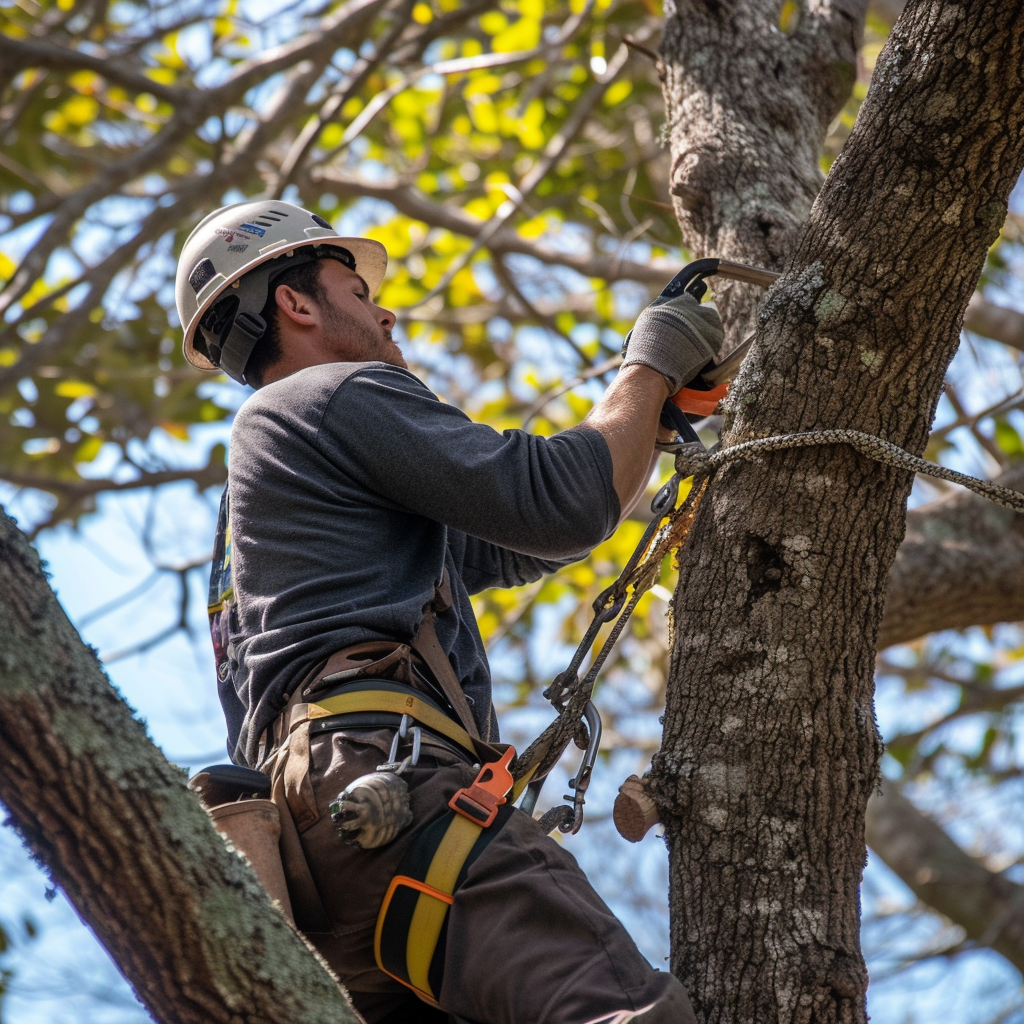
(503,152)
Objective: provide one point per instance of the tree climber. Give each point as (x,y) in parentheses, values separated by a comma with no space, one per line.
(359,516)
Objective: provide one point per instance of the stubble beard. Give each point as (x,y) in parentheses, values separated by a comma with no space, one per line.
(361,343)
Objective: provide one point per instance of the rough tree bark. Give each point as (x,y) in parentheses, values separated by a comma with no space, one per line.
(749,98)
(770,749)
(184,917)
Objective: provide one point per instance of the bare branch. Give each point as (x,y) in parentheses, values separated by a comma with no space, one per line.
(19,54)
(986,904)
(997,322)
(414,203)
(959,565)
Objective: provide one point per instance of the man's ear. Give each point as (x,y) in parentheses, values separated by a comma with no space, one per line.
(298,308)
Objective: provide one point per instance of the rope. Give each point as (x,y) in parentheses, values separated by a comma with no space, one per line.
(695,460)
(571,694)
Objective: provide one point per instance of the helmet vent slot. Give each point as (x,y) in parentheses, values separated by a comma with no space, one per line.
(317,219)
(203,272)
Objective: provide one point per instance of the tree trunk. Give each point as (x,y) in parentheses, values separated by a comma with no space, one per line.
(770,749)
(749,96)
(183,917)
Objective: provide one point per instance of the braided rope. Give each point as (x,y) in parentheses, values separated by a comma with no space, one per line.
(695,460)
(691,459)
(545,751)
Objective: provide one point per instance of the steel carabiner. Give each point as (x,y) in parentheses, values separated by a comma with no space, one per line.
(581,780)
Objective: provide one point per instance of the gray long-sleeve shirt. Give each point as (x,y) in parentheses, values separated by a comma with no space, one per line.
(350,486)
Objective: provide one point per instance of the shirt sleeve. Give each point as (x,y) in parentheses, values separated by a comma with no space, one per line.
(483,565)
(551,499)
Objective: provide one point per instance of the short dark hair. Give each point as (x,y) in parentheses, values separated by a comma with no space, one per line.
(305,279)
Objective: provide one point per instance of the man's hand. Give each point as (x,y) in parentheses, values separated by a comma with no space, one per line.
(675,338)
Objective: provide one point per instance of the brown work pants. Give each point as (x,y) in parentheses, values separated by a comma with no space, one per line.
(529,941)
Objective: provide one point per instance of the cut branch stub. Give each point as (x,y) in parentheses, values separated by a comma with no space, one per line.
(635,813)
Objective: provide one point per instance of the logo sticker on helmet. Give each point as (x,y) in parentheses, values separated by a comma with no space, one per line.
(238,248)
(228,234)
(251,229)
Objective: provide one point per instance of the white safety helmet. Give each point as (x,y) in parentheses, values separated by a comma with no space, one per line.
(235,253)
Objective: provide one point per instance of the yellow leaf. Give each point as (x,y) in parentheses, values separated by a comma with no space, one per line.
(178,430)
(534,228)
(479,208)
(88,449)
(617,93)
(84,81)
(789,17)
(75,389)
(464,288)
(482,85)
(422,14)
(483,114)
(55,121)
(331,136)
(165,76)
(493,22)
(523,35)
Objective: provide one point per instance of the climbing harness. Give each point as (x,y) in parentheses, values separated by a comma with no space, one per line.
(407,941)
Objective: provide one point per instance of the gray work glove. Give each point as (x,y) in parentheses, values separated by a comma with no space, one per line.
(676,338)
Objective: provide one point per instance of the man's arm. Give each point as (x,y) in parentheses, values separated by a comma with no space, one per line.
(627,418)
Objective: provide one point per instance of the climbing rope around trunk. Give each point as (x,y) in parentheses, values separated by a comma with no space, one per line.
(570,695)
(692,459)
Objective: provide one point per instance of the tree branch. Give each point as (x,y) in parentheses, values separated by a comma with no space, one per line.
(181,913)
(959,565)
(986,904)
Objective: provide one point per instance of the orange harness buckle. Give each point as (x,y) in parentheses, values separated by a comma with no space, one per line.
(480,801)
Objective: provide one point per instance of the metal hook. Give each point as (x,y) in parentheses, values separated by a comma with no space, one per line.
(581,781)
(406,731)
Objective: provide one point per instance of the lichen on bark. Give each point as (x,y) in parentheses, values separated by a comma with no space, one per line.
(768,761)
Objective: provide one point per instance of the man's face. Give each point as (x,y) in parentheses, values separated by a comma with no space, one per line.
(354,328)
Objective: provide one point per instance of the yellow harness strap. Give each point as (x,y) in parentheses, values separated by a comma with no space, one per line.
(397,702)
(408,942)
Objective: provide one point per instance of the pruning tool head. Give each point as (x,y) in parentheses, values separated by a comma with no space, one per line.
(701,396)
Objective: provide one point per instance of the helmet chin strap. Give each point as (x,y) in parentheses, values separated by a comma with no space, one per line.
(231,350)
(247,326)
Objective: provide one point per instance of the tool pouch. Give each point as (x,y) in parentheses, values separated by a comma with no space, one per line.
(234,799)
